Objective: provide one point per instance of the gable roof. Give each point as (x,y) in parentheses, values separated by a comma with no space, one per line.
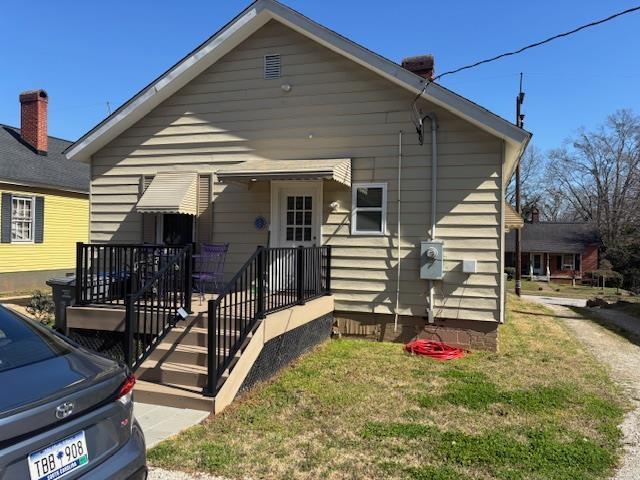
(249,21)
(21,165)
(555,237)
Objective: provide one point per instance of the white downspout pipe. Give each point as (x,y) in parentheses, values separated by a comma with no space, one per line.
(395,321)
(434,197)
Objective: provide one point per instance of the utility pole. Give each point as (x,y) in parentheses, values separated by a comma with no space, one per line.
(518,242)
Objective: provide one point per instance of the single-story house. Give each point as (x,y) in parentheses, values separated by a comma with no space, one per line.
(555,251)
(276,136)
(44,200)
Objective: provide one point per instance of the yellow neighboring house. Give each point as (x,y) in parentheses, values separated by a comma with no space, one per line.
(44,201)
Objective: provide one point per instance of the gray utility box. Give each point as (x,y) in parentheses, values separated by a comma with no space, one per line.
(431,259)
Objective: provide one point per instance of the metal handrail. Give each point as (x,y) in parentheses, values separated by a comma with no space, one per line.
(155,308)
(271,279)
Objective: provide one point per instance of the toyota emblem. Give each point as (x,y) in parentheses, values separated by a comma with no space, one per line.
(64,410)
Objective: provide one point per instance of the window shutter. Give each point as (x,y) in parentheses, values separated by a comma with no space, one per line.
(204,225)
(38,234)
(148,219)
(5,226)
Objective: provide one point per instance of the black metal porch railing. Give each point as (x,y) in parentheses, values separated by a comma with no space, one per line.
(272,279)
(107,273)
(155,308)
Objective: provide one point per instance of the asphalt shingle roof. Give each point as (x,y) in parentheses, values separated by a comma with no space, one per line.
(554,237)
(20,163)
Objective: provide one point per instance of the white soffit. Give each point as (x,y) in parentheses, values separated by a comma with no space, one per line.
(238,30)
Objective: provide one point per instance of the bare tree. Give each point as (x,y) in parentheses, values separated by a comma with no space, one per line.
(599,174)
(532,166)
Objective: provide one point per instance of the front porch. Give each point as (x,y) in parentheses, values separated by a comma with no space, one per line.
(552,266)
(199,351)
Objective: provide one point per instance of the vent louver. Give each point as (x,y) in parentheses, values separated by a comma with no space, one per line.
(271,67)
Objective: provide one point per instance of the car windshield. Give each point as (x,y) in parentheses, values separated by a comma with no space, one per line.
(23,343)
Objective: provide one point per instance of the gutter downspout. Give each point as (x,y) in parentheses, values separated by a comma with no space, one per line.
(395,321)
(434,196)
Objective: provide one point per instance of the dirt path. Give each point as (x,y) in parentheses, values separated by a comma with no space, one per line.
(623,359)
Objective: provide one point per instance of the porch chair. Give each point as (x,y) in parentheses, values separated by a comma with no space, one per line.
(209,267)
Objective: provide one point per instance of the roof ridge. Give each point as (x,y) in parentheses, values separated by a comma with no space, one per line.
(49,136)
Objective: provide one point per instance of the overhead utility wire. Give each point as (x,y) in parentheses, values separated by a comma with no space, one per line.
(533,45)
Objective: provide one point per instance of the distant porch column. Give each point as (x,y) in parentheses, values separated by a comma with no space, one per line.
(548,270)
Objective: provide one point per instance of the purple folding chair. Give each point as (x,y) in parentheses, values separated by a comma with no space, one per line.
(209,267)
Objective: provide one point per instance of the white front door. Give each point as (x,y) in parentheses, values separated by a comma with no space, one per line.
(537,264)
(298,214)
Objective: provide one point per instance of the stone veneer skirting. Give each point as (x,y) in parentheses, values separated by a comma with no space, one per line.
(283,349)
(461,333)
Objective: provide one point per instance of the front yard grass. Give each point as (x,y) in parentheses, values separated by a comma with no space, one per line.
(541,408)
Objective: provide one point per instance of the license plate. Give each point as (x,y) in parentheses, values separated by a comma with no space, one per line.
(58,459)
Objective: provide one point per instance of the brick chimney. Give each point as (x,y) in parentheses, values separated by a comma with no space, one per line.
(33,119)
(535,215)
(422,65)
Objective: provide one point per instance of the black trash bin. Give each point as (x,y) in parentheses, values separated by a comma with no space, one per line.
(64,295)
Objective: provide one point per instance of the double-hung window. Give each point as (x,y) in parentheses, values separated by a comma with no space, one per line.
(22,219)
(369,208)
(568,262)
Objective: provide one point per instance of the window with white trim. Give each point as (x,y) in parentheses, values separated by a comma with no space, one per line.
(22,213)
(369,208)
(568,262)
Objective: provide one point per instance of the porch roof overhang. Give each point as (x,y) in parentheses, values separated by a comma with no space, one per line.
(511,218)
(337,169)
(170,192)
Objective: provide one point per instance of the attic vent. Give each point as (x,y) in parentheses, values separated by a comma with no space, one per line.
(271,66)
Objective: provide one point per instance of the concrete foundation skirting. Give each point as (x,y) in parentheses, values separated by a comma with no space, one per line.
(469,334)
(35,280)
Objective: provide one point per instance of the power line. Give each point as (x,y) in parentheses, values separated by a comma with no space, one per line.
(542,42)
(527,47)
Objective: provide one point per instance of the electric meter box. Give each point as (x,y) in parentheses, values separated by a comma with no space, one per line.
(431,259)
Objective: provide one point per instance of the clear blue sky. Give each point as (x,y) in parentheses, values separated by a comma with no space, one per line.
(87,53)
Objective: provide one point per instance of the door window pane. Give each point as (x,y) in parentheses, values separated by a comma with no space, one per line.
(299,218)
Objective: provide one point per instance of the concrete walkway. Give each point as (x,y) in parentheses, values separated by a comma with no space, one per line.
(568,302)
(159,423)
(623,359)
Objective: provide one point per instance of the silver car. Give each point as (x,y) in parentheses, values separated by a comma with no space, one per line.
(64,412)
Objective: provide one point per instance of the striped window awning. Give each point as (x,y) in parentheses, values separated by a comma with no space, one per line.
(170,192)
(511,218)
(337,169)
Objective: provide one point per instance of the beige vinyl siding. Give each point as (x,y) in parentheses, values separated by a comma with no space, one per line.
(335,109)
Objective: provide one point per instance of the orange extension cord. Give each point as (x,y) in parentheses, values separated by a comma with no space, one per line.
(437,350)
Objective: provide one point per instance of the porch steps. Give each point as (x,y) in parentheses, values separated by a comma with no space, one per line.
(176,371)
(179,396)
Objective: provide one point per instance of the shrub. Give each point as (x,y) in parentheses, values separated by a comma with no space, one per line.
(41,307)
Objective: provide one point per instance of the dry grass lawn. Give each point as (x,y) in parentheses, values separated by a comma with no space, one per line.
(541,408)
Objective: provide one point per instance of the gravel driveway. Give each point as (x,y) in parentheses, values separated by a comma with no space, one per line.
(623,359)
